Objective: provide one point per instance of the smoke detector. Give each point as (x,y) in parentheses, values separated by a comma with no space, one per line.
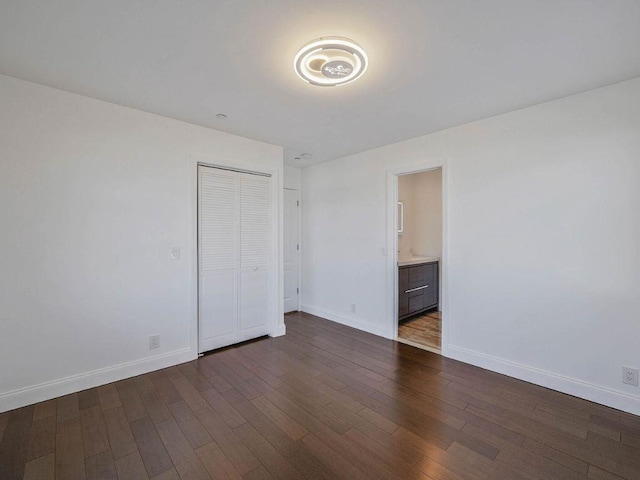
(330,61)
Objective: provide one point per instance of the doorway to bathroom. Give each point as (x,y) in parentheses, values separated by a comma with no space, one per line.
(419,258)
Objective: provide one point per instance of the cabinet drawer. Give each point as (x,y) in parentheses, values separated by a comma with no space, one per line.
(430,296)
(420,275)
(416,303)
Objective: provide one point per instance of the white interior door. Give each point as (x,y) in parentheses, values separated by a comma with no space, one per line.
(218,254)
(291,242)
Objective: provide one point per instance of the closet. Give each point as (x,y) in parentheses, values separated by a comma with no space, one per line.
(234,256)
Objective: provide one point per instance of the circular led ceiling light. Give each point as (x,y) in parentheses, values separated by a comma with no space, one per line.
(330,61)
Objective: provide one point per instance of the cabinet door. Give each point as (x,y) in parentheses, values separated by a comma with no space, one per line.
(432,274)
(403,279)
(403,306)
(255,251)
(431,292)
(403,285)
(218,227)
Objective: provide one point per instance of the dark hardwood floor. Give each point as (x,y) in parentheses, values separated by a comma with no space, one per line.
(323,402)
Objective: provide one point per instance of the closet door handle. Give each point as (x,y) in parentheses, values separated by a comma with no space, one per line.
(415,289)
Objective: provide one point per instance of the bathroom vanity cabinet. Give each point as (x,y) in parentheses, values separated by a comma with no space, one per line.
(418,288)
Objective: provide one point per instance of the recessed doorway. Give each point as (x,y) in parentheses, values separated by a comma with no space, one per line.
(419,257)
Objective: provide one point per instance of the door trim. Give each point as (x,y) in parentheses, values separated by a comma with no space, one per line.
(276,325)
(392,246)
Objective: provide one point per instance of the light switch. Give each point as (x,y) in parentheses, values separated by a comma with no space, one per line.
(175,253)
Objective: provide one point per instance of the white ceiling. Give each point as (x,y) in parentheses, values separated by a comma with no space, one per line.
(433,63)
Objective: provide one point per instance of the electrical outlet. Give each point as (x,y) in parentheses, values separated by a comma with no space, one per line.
(630,376)
(154,342)
(353,308)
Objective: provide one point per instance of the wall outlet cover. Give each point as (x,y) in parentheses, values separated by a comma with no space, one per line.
(630,376)
(154,342)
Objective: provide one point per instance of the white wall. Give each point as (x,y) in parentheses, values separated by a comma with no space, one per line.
(542,228)
(92,198)
(292,177)
(422,196)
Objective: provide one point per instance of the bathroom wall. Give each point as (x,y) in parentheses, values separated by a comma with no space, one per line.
(421,194)
(405,195)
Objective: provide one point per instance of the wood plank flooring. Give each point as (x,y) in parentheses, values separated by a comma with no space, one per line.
(424,329)
(323,402)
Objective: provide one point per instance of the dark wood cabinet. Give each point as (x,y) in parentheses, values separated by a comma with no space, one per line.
(418,288)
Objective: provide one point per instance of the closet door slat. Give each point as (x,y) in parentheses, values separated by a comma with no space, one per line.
(255,220)
(255,248)
(218,245)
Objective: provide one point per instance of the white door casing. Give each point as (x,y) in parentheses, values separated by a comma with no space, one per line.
(392,246)
(291,250)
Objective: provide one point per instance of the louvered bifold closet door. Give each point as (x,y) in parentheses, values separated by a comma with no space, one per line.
(219,254)
(255,254)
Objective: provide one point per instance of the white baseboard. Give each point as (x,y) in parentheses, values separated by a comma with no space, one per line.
(349,322)
(578,388)
(75,383)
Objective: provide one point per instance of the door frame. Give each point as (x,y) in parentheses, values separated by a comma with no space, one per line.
(392,246)
(299,251)
(275,321)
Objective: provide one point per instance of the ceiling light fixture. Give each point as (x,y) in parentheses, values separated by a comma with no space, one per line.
(221,116)
(330,61)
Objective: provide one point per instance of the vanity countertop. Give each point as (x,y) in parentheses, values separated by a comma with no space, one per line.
(403,262)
